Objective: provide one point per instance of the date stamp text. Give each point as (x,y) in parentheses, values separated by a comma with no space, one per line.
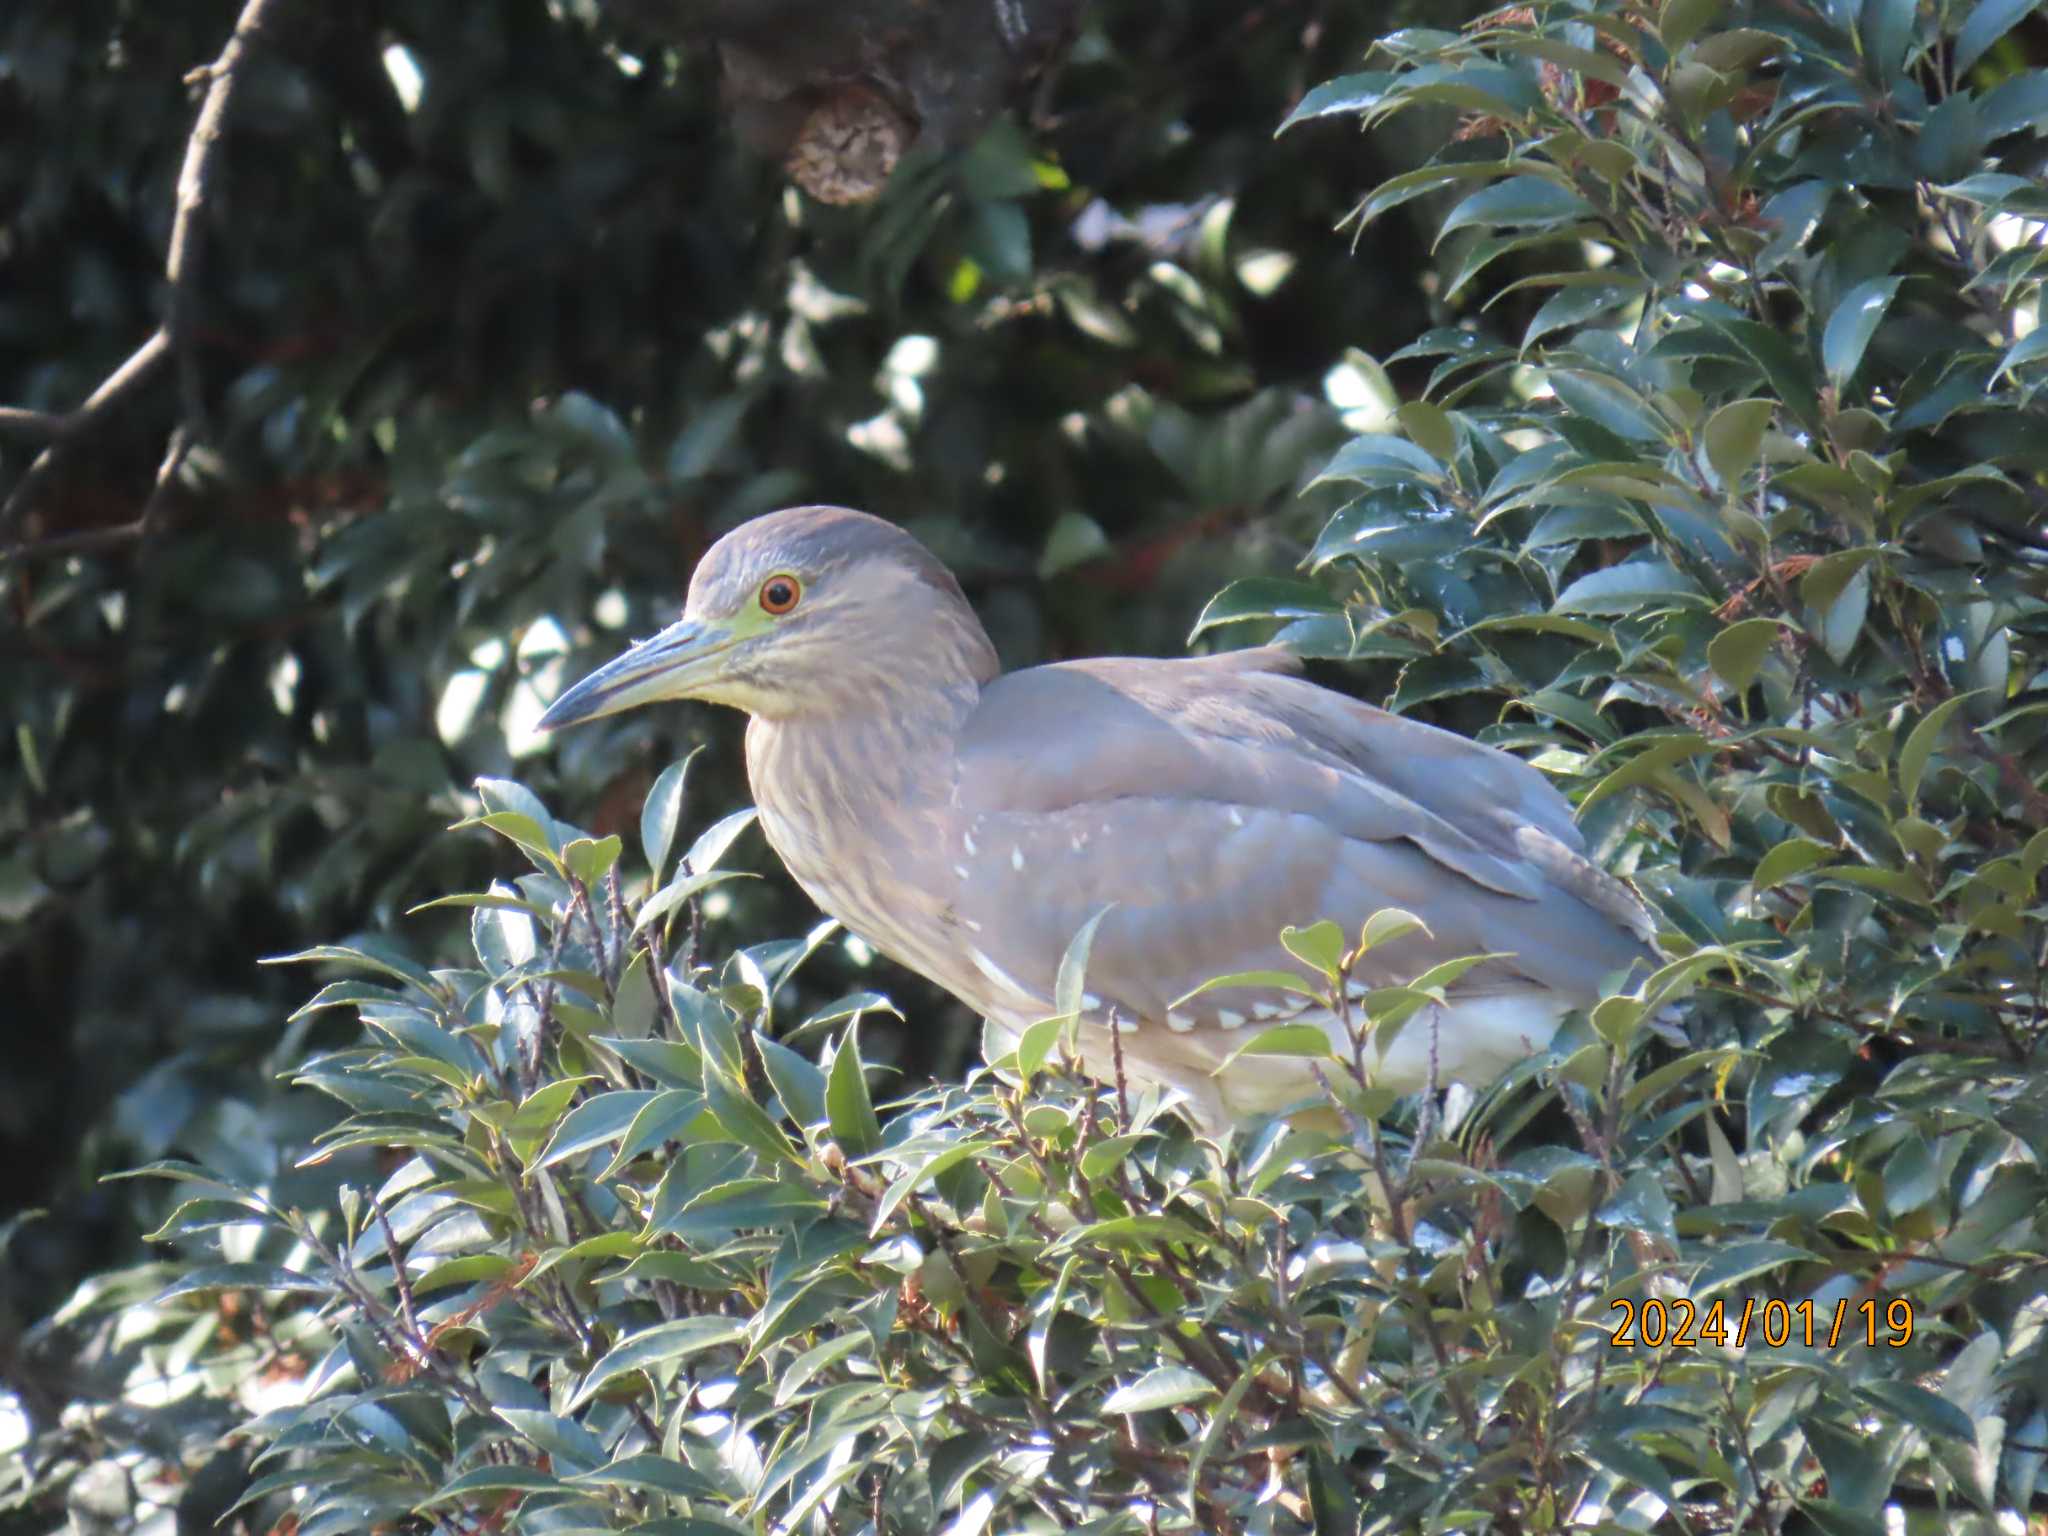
(1677,1323)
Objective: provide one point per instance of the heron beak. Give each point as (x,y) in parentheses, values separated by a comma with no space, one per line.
(671,665)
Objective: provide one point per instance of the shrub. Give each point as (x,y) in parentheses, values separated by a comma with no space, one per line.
(1733,529)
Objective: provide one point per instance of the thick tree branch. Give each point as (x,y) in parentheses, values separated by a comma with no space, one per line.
(175,338)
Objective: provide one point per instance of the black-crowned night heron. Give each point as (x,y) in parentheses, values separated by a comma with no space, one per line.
(968,824)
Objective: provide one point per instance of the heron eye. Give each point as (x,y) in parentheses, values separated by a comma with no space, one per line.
(779,594)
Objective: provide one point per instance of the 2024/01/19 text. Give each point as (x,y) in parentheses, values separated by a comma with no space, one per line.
(1654,1323)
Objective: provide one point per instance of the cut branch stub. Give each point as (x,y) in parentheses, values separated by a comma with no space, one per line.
(839,90)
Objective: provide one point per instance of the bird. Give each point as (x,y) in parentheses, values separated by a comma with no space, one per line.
(967,823)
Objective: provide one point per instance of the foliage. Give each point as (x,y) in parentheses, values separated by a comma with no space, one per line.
(496,330)
(1723,508)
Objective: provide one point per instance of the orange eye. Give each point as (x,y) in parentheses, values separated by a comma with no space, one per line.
(779,594)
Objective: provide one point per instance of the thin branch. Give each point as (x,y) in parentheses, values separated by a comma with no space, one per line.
(14,418)
(175,337)
(182,260)
(92,540)
(112,390)
(400,1281)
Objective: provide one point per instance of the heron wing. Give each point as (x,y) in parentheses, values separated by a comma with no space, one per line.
(1209,803)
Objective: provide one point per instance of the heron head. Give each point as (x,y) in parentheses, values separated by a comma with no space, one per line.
(799,611)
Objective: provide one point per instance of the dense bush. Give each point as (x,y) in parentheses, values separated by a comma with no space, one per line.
(1725,511)
(496,328)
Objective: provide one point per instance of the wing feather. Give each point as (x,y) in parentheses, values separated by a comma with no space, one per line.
(1213,804)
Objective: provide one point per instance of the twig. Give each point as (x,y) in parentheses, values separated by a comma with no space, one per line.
(112,390)
(615,915)
(182,260)
(400,1281)
(173,338)
(1116,1056)
(657,977)
(145,523)
(14,418)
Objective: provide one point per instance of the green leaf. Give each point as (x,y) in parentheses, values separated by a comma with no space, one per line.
(1387,925)
(1262,981)
(1783,367)
(1109,1153)
(1597,397)
(655,1474)
(1378,459)
(657,1346)
(243,1277)
(1931,1414)
(538,1111)
(1320,946)
(1165,1386)
(201,1215)
(920,1174)
(1347,94)
(1035,1042)
(1885,28)
(1628,588)
(1281,1040)
(1744,1261)
(1519,202)
(1854,321)
(1737,653)
(492,1479)
(697,449)
(1842,623)
(1794,856)
(678,891)
(570,1446)
(848,1108)
(662,813)
(1633,1465)
(712,844)
(513,798)
(1430,429)
(1734,437)
(1989,21)
(1682,20)
(662,1119)
(1264,597)
(1070,986)
(1641,1205)
(589,858)
(796,1080)
(1920,745)
(1075,539)
(2029,348)
(364,954)
(594,1122)
(531,836)
(744,1120)
(2015,105)
(1573,305)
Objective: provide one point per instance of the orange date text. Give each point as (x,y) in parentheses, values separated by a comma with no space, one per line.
(1678,1323)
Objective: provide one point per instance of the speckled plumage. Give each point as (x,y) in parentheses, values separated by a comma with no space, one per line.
(968,824)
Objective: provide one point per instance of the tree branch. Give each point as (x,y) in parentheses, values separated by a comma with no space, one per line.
(93,540)
(182,259)
(14,418)
(174,338)
(112,390)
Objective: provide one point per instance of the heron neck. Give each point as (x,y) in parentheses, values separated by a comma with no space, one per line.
(872,751)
